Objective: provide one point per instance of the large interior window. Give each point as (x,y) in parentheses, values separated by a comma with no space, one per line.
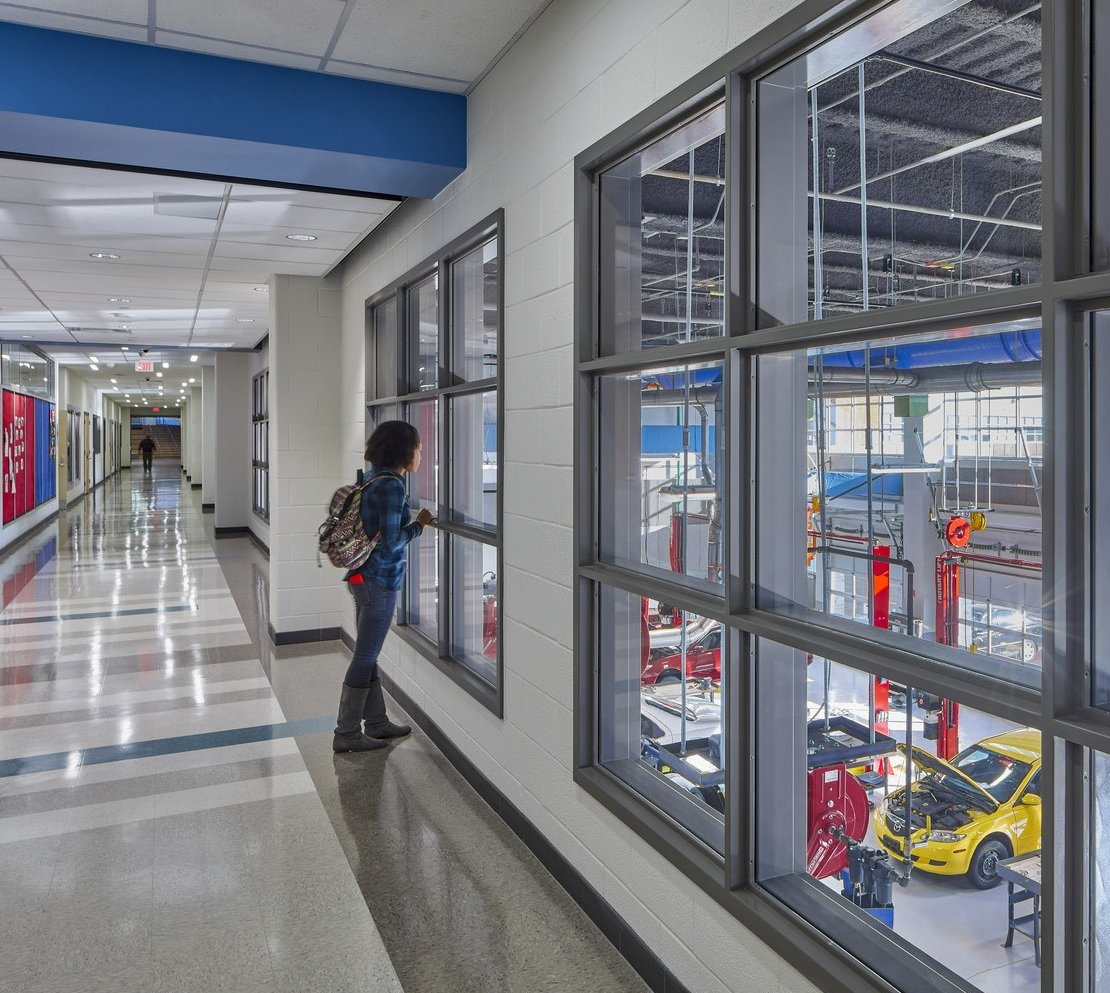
(858,508)
(917,467)
(900,166)
(435,342)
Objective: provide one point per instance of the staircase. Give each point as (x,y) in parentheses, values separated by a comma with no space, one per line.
(168,440)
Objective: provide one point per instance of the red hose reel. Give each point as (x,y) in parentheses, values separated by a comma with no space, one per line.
(837,808)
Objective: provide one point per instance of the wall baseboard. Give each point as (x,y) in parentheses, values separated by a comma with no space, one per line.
(237,532)
(631,947)
(309,636)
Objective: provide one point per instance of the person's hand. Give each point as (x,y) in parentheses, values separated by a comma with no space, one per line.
(425,518)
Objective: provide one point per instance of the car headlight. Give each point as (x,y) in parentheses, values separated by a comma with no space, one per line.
(946,837)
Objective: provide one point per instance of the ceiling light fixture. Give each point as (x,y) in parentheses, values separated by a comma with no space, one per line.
(301,237)
(124,348)
(191,380)
(244,320)
(261,289)
(119,299)
(193,358)
(103,256)
(94,367)
(113,381)
(158,374)
(165,365)
(26,336)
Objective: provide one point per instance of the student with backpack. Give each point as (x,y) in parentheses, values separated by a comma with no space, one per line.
(393,449)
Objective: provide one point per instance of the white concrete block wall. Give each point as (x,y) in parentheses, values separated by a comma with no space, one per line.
(209,432)
(195,440)
(306,411)
(583,69)
(232,411)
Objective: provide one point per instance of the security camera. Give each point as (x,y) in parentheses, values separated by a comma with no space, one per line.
(144,350)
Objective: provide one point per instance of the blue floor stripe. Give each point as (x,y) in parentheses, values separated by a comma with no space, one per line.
(164,746)
(135,611)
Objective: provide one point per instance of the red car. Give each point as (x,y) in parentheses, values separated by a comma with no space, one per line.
(703,661)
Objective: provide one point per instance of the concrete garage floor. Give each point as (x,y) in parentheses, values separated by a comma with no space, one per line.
(946,917)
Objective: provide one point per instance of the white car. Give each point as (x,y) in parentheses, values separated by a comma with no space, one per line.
(661,719)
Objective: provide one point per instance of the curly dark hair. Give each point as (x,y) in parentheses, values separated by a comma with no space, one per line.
(392,445)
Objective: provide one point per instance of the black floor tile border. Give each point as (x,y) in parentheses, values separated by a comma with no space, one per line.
(638,955)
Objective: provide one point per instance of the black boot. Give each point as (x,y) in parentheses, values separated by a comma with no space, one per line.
(377,724)
(348,733)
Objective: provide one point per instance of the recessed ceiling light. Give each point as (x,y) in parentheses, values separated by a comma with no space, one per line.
(119,299)
(191,380)
(26,336)
(113,381)
(193,358)
(244,320)
(165,365)
(94,367)
(261,289)
(301,237)
(103,256)
(158,374)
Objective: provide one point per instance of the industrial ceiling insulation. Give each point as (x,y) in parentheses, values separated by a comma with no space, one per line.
(950,117)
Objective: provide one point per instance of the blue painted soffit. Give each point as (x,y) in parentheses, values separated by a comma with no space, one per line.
(71,96)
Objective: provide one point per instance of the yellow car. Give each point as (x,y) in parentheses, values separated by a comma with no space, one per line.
(967,815)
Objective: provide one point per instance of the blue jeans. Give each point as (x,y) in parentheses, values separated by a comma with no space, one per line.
(374,607)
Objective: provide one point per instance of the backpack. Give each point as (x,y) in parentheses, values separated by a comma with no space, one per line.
(342,536)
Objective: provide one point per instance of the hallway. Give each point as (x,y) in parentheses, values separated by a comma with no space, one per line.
(172,817)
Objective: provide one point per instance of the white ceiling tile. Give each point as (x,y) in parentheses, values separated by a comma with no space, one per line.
(399,77)
(233,50)
(292,218)
(455,40)
(132,11)
(80,25)
(303,26)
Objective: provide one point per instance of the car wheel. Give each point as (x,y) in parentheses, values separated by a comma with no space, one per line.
(668,677)
(983,871)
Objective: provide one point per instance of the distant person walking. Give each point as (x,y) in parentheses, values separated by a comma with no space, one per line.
(147,447)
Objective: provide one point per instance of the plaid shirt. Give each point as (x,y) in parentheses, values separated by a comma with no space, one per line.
(385,509)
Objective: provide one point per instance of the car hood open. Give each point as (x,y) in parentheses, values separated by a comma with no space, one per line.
(939,767)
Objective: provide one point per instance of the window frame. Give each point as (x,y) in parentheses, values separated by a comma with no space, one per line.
(1071,727)
(440,653)
(260,443)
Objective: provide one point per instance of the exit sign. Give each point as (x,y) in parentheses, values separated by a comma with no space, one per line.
(144,365)
(156,409)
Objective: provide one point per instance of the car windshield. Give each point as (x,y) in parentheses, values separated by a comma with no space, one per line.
(998,774)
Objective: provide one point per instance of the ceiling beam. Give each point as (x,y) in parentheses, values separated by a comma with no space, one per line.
(80,98)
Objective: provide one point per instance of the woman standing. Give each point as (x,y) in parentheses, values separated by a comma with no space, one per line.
(393,449)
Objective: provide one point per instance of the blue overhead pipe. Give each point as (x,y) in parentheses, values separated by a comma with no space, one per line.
(696,378)
(992,349)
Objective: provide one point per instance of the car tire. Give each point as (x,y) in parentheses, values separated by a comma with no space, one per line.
(668,678)
(983,871)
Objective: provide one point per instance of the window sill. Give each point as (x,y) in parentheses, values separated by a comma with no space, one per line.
(491,697)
